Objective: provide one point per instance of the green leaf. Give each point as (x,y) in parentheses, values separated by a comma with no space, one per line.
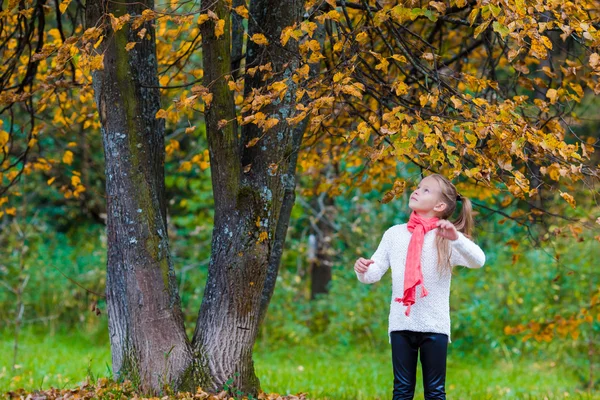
(501,29)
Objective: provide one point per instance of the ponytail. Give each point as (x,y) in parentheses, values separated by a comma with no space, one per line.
(464,222)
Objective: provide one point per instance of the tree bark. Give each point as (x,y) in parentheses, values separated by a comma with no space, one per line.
(148,341)
(244,263)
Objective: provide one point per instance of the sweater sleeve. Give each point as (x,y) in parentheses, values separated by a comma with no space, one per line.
(466,253)
(381,262)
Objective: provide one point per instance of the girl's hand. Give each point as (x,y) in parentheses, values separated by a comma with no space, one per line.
(447,229)
(362,265)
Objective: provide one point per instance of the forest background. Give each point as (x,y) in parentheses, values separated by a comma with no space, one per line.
(527,325)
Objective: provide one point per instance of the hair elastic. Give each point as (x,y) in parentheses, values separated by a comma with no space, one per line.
(458,197)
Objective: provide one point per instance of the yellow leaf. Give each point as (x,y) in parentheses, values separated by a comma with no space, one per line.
(75,180)
(259,39)
(49,181)
(98,42)
(221,124)
(11,211)
(271,122)
(202,18)
(428,56)
(456,102)
(171,147)
(362,38)
(68,157)
(219,28)
(190,129)
(383,65)
(4,137)
(242,11)
(252,142)
(569,199)
(63,6)
(279,87)
(286,33)
(400,87)
(399,58)
(207,98)
(161,114)
(552,94)
(117,23)
(438,5)
(594,60)
(481,28)
(309,27)
(352,90)
(130,46)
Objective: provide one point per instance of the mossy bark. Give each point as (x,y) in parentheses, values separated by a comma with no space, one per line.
(252,208)
(148,341)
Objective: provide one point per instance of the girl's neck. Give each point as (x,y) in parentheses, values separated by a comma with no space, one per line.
(428,215)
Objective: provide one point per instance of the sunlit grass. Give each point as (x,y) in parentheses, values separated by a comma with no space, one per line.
(338,373)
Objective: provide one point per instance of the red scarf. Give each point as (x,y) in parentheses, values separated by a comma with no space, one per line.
(413,275)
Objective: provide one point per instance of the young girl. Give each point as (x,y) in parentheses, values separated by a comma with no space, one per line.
(422,253)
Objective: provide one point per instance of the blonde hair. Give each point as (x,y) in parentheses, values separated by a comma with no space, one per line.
(463,223)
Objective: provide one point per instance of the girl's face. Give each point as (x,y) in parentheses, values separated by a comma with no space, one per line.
(425,199)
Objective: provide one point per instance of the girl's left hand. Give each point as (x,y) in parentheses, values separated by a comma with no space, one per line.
(447,229)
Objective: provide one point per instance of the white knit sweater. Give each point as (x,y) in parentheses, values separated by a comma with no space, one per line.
(432,312)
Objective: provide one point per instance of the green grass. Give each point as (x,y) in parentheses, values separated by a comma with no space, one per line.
(342,374)
(64,360)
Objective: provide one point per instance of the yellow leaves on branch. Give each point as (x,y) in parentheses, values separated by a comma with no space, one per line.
(201,160)
(76,186)
(171,147)
(259,119)
(398,188)
(559,325)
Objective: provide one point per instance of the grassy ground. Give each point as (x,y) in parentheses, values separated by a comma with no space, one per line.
(339,373)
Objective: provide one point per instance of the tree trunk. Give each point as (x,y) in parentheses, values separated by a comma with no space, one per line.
(323,231)
(252,208)
(148,341)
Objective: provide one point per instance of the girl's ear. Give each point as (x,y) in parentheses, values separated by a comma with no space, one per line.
(441,206)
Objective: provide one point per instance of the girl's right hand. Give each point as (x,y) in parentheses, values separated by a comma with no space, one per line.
(362,265)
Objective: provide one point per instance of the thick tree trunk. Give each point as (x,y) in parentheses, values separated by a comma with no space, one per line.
(252,208)
(148,341)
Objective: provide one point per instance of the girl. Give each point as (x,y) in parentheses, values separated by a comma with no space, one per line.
(422,253)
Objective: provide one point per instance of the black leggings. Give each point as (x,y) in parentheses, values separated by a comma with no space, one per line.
(405,345)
